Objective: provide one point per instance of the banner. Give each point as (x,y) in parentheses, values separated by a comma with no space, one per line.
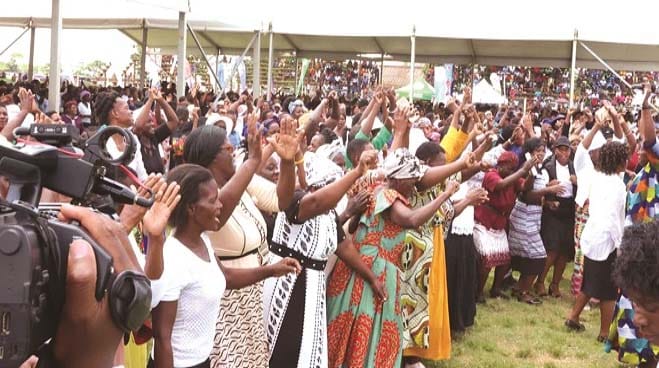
(303,73)
(443,81)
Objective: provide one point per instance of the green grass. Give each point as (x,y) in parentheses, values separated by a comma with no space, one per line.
(513,334)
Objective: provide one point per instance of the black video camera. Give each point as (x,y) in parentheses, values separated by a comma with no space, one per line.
(34,245)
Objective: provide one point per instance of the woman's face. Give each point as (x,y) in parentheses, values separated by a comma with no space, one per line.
(72,110)
(273,129)
(223,162)
(121,113)
(317,141)
(297,112)
(539,153)
(646,317)
(271,170)
(4,117)
(562,154)
(506,169)
(206,211)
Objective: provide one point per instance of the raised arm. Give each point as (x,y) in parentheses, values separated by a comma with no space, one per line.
(26,103)
(413,218)
(646,124)
(326,198)
(231,192)
(437,174)
(367,123)
(170,114)
(513,178)
(286,145)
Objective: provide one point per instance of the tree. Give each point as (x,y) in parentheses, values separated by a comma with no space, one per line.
(14,59)
(92,70)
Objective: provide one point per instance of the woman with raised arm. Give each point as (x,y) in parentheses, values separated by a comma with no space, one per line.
(241,242)
(184,320)
(309,231)
(365,331)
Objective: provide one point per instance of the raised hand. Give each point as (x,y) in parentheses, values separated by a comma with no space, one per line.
(253,137)
(26,99)
(452,187)
(477,196)
(285,144)
(155,219)
(368,160)
(401,121)
(469,160)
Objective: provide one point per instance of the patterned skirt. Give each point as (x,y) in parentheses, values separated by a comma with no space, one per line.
(581,216)
(492,245)
(524,235)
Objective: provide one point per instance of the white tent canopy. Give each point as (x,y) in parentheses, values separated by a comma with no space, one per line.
(484,93)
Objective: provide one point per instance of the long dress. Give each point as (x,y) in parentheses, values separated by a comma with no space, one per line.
(240,339)
(295,309)
(362,330)
(423,290)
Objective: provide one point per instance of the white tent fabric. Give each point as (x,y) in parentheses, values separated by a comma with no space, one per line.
(484,93)
(501,34)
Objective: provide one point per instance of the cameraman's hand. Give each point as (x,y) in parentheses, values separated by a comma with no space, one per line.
(86,335)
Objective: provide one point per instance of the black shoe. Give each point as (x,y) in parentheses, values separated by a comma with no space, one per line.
(508,282)
(480,299)
(574,326)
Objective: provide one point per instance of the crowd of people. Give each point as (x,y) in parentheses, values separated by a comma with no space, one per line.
(282,235)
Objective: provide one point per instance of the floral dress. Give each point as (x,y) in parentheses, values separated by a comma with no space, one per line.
(362,330)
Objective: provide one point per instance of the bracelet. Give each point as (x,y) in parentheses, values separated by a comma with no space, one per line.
(300,161)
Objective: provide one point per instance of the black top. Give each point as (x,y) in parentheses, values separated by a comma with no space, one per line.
(150,153)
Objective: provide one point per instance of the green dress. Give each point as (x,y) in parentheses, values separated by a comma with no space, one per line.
(362,330)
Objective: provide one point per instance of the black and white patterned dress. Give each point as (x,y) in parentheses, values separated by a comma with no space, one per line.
(295,307)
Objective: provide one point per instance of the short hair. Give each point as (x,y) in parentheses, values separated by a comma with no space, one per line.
(637,265)
(613,155)
(182,114)
(356,147)
(531,144)
(189,177)
(427,150)
(103,105)
(203,144)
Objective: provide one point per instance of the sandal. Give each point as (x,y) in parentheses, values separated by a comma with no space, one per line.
(540,290)
(602,339)
(554,291)
(574,326)
(527,298)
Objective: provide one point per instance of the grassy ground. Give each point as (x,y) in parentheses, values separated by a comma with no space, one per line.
(513,334)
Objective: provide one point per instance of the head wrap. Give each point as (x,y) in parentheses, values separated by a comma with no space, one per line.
(84,93)
(508,157)
(331,150)
(294,104)
(320,171)
(402,164)
(423,122)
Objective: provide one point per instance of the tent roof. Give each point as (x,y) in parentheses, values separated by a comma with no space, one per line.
(502,46)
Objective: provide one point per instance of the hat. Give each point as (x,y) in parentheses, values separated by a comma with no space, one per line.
(84,93)
(508,157)
(562,141)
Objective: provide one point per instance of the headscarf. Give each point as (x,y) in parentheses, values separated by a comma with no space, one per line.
(84,93)
(331,150)
(402,164)
(508,157)
(320,171)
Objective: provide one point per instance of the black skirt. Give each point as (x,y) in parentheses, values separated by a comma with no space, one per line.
(528,266)
(461,280)
(597,281)
(557,234)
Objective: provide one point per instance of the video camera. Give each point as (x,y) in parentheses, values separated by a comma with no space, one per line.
(34,245)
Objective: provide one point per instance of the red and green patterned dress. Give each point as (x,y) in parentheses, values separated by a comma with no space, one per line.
(362,330)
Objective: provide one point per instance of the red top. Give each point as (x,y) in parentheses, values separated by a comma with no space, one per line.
(494,214)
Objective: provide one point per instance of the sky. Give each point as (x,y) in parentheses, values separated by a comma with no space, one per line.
(503,19)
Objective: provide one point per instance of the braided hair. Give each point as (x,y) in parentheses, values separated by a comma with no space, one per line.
(103,105)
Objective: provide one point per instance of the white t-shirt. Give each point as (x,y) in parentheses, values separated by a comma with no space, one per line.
(197,285)
(83,109)
(137,164)
(563,176)
(602,233)
(584,168)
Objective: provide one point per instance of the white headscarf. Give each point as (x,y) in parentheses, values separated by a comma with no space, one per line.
(402,164)
(320,171)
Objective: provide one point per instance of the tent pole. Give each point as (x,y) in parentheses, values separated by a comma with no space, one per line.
(607,66)
(145,34)
(217,66)
(412,56)
(235,67)
(182,49)
(30,66)
(54,75)
(381,68)
(270,50)
(16,39)
(573,66)
(256,69)
(203,53)
(296,66)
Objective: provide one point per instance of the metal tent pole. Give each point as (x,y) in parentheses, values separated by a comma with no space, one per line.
(30,66)
(182,49)
(412,57)
(201,49)
(270,49)
(54,75)
(573,67)
(256,69)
